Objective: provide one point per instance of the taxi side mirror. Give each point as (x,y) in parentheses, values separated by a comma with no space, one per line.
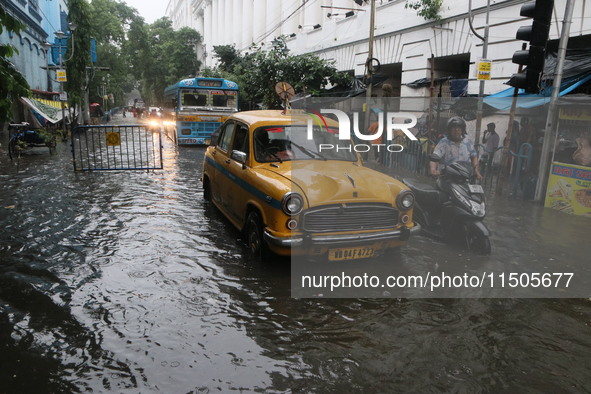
(239,156)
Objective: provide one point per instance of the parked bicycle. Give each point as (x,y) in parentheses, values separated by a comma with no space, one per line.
(22,137)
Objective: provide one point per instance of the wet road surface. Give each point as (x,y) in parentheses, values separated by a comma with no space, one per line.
(128,282)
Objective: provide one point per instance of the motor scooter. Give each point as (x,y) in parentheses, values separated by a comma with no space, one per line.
(453,210)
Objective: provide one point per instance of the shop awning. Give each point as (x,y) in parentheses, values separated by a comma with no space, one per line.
(41,110)
(503,99)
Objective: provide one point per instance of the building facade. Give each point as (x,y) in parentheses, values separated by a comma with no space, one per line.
(407,47)
(42,18)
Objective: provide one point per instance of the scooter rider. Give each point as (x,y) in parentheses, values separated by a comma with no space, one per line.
(454,147)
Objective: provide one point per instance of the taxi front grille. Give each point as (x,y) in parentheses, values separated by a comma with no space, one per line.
(350,217)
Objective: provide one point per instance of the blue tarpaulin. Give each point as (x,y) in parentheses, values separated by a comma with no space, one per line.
(503,99)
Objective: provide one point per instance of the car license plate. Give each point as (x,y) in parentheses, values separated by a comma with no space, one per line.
(476,188)
(350,253)
(188,141)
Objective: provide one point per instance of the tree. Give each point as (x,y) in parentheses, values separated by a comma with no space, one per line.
(111,25)
(428,9)
(13,83)
(76,66)
(258,71)
(170,56)
(228,56)
(138,55)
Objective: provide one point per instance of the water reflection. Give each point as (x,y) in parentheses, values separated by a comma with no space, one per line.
(127,282)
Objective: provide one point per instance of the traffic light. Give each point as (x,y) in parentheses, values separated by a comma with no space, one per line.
(537,35)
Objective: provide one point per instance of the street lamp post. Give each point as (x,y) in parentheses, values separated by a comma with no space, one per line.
(47,47)
(61,74)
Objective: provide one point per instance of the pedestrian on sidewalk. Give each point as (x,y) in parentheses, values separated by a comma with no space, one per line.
(491,141)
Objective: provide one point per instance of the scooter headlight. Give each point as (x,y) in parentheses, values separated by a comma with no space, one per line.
(478,209)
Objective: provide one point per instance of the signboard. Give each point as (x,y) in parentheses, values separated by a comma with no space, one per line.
(483,70)
(569,189)
(113,138)
(61,75)
(63,96)
(209,83)
(575,113)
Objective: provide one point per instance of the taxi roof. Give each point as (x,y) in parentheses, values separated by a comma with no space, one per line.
(274,117)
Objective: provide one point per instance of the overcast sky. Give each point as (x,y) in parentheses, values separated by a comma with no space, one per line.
(149,9)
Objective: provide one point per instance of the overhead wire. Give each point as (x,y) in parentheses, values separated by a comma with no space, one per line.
(276,26)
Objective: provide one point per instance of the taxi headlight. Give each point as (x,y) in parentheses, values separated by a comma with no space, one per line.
(405,200)
(292,203)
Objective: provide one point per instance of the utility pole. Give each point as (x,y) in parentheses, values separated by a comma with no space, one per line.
(484,56)
(369,64)
(551,119)
(506,155)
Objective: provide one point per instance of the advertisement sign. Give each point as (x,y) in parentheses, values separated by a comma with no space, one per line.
(569,189)
(578,113)
(484,67)
(61,76)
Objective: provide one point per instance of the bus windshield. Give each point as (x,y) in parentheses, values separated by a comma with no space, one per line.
(223,99)
(194,98)
(207,99)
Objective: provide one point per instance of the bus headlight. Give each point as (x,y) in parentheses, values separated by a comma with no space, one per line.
(292,203)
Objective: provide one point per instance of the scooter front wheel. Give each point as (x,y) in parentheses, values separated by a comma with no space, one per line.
(478,243)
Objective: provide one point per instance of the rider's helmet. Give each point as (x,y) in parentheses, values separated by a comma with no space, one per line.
(456,121)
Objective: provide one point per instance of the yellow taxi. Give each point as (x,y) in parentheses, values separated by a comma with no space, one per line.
(295,188)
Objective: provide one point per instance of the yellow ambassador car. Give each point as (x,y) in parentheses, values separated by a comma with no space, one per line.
(295,188)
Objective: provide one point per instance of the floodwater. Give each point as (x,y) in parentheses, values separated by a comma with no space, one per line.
(128,282)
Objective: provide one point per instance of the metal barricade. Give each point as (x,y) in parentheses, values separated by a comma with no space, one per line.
(108,148)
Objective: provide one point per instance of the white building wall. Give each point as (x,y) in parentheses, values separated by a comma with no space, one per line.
(400,35)
(247,25)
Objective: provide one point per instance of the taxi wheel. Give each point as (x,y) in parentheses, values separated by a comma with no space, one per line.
(254,236)
(206,191)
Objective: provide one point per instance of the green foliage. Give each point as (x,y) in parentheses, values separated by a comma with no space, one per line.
(111,26)
(428,9)
(13,83)
(170,57)
(227,56)
(257,72)
(79,12)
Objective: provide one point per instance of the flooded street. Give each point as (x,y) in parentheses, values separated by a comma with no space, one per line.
(129,282)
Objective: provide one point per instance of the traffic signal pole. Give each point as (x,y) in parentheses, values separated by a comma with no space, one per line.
(551,120)
(484,56)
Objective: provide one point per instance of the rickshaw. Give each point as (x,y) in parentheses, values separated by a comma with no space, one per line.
(21,137)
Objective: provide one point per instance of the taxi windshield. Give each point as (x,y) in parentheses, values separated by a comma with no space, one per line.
(293,142)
